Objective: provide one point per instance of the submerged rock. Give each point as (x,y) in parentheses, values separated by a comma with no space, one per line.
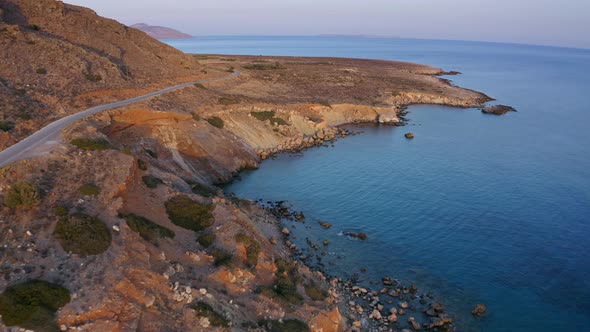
(498,109)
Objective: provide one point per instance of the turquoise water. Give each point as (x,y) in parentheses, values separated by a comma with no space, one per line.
(478,208)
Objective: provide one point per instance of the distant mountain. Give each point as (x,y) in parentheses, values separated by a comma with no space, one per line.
(160,32)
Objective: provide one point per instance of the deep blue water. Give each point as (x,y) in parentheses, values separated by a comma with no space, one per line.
(478,208)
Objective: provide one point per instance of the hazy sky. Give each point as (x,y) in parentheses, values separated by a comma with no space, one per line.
(549,22)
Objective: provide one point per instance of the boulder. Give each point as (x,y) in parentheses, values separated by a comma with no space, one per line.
(409,135)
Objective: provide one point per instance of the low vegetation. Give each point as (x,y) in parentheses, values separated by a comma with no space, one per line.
(91,144)
(200,86)
(222,257)
(227,101)
(206,311)
(6,125)
(22,195)
(142,165)
(206,239)
(216,121)
(41,71)
(252,248)
(325,103)
(287,325)
(201,189)
(147,229)
(83,234)
(93,77)
(34,27)
(61,211)
(268,115)
(33,304)
(285,286)
(151,153)
(89,189)
(151,181)
(263,66)
(315,292)
(188,214)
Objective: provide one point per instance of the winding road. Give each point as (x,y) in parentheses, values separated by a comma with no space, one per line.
(50,134)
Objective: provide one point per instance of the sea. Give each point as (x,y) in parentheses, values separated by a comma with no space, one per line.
(476,208)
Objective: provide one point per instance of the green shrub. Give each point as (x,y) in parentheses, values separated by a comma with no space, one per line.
(6,125)
(147,229)
(188,214)
(288,325)
(151,181)
(205,310)
(91,145)
(61,211)
(325,103)
(32,305)
(315,292)
(227,101)
(151,153)
(216,122)
(142,165)
(268,115)
(230,70)
(41,71)
(22,194)
(228,59)
(196,117)
(222,257)
(263,66)
(201,189)
(83,235)
(252,248)
(206,239)
(34,27)
(93,78)
(285,285)
(89,189)
(200,86)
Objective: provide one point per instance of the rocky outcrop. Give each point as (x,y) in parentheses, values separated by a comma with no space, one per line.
(498,109)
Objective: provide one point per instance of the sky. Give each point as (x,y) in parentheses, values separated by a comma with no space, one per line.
(542,22)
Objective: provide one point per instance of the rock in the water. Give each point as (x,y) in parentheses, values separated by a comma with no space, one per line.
(325,224)
(415,325)
(409,135)
(286,231)
(392,318)
(479,310)
(498,109)
(376,315)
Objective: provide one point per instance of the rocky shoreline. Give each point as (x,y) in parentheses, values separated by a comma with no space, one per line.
(391,306)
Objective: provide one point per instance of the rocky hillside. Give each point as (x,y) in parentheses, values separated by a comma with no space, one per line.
(159,32)
(57,58)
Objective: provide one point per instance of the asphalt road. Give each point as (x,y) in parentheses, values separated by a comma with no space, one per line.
(30,146)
